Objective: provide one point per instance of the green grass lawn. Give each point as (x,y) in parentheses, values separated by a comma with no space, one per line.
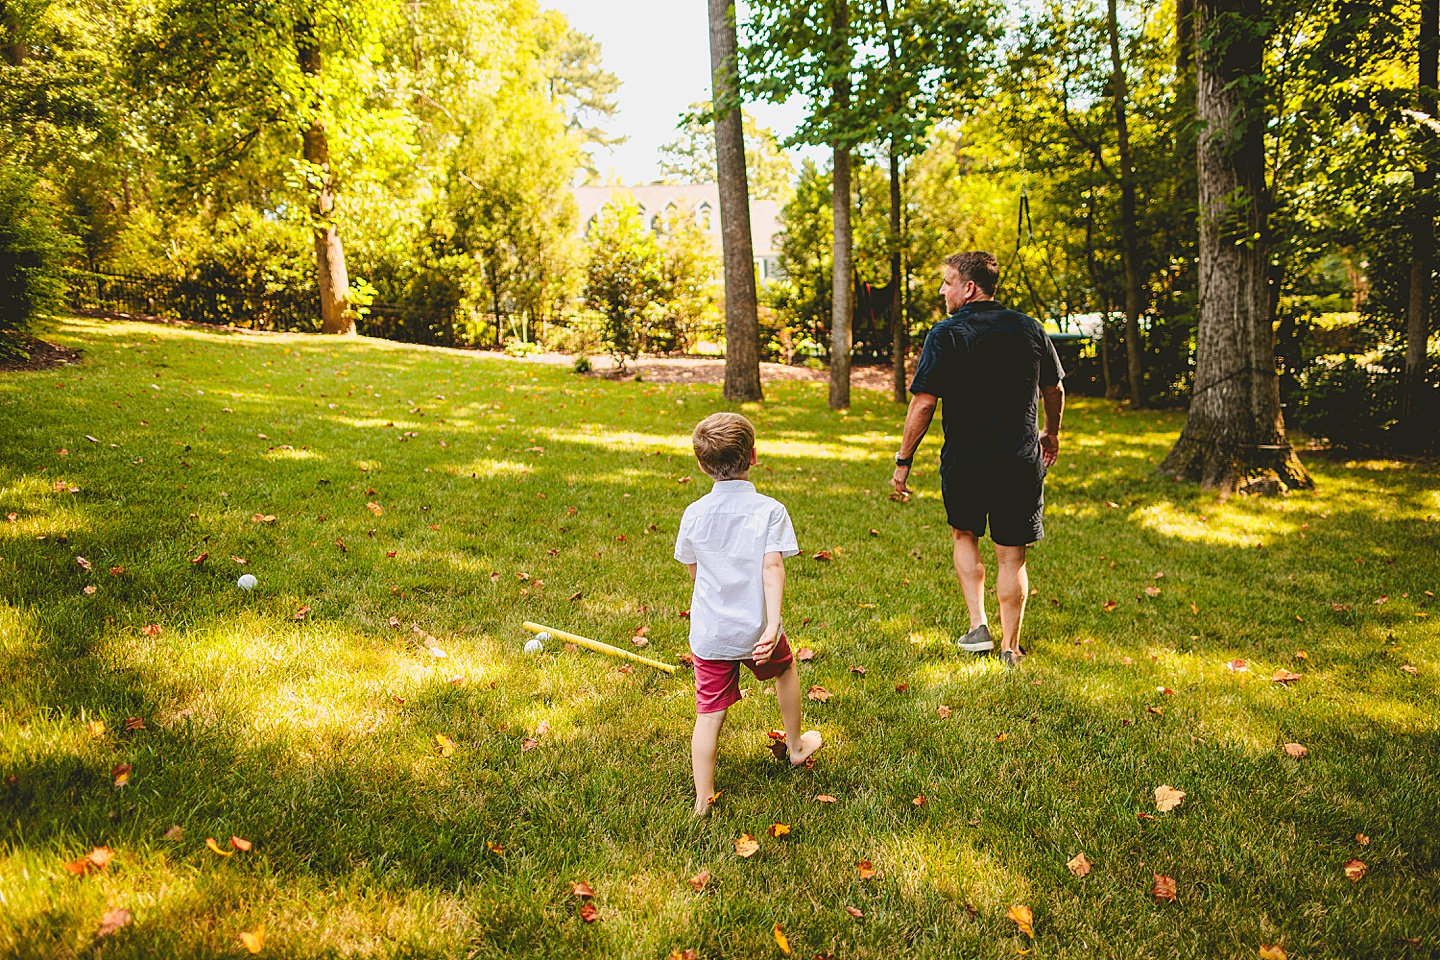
(506,491)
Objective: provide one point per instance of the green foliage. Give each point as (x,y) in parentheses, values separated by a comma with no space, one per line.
(622,277)
(657,294)
(247,270)
(32,259)
(690,158)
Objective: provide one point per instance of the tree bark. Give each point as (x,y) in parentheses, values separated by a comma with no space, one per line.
(1413,415)
(842,298)
(335,313)
(742,320)
(1184,35)
(1129,227)
(899,335)
(1234,429)
(11,43)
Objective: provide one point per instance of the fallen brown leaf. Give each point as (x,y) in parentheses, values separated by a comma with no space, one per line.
(112,921)
(1282,675)
(254,940)
(1297,750)
(151,630)
(804,653)
(1024,919)
(582,890)
(1272,952)
(697,882)
(824,798)
(866,868)
(818,693)
(854,912)
(241,844)
(446,745)
(781,941)
(588,912)
(1164,888)
(822,555)
(920,801)
(1354,869)
(943,712)
(1167,798)
(746,845)
(121,774)
(1078,864)
(778,829)
(1361,839)
(134,723)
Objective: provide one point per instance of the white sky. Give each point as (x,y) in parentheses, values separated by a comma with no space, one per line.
(660,50)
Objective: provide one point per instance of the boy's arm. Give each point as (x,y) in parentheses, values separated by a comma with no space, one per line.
(691,567)
(773,578)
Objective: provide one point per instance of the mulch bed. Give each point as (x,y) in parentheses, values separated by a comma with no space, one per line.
(43,356)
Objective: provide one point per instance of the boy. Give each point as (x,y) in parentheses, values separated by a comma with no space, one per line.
(734,541)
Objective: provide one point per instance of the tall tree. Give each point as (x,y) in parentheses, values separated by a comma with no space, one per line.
(1129,224)
(842,288)
(331,278)
(742,321)
(1234,428)
(1413,417)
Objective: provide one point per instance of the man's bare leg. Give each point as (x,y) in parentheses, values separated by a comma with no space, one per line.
(1012,584)
(787,691)
(704,744)
(970,571)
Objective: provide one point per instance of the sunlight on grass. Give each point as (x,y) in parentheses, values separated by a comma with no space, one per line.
(315,739)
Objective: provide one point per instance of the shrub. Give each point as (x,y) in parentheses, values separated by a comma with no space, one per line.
(1347,403)
(248,270)
(32,255)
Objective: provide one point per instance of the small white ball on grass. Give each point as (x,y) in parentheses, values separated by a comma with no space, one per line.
(247,581)
(534,645)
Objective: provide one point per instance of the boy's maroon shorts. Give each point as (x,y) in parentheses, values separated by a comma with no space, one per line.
(717,682)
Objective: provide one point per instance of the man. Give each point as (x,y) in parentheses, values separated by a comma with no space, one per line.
(991,364)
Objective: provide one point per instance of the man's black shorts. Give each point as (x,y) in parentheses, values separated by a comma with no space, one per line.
(1011,497)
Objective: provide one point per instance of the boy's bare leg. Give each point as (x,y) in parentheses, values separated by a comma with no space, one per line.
(787,691)
(1012,584)
(970,571)
(704,744)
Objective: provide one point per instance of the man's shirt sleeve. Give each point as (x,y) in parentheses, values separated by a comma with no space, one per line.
(684,545)
(1051,372)
(929,370)
(780,534)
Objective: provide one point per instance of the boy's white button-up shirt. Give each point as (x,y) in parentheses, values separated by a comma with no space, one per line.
(726,534)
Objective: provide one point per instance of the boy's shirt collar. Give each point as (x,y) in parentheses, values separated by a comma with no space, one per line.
(733,486)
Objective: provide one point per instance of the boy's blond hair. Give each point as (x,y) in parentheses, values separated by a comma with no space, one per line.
(723,444)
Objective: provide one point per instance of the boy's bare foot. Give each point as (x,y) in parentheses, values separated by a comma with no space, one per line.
(702,810)
(809,743)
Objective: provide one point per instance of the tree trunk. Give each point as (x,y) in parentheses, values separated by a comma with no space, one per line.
(842,298)
(11,44)
(335,313)
(1184,35)
(1234,429)
(742,320)
(898,331)
(1414,418)
(1129,227)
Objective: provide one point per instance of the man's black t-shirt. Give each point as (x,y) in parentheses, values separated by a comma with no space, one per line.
(988,363)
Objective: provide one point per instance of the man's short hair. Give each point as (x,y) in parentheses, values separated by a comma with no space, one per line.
(977,266)
(723,444)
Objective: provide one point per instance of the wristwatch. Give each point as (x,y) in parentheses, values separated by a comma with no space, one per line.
(904,461)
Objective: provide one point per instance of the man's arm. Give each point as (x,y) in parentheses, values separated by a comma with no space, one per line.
(1054,399)
(773,577)
(917,422)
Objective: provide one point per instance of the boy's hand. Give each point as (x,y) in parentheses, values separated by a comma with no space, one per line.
(766,645)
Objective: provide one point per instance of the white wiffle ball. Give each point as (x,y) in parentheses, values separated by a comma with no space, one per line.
(535,644)
(247,581)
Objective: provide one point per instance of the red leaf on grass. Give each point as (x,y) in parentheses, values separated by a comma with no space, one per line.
(1164,888)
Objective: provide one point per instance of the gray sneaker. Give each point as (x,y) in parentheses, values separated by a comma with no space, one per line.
(1010,658)
(977,640)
